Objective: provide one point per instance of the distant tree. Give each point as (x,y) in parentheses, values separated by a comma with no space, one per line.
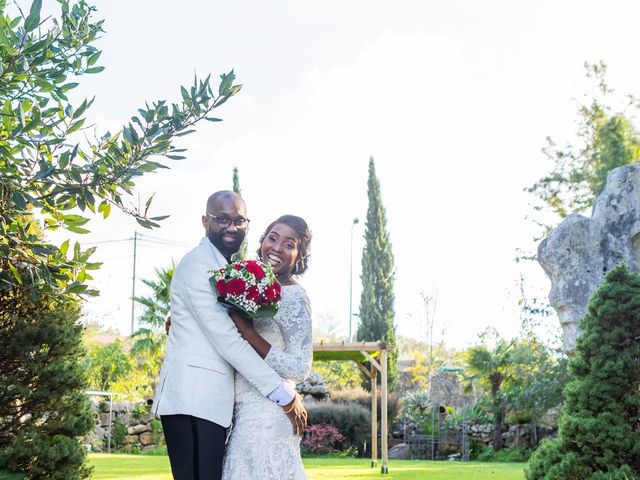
(242,253)
(338,375)
(606,139)
(377,300)
(537,377)
(599,427)
(106,364)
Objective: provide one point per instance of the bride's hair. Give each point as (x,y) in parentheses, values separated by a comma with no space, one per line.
(301,228)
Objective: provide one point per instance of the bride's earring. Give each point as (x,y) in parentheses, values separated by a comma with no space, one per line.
(296,268)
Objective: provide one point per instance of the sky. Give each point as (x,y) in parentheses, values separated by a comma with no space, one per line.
(453,100)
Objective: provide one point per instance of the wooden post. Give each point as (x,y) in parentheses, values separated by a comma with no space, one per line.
(374,416)
(384,414)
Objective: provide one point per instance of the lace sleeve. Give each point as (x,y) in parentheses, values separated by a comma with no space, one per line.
(294,318)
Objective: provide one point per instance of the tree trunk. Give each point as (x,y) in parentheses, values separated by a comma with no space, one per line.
(498,412)
(498,442)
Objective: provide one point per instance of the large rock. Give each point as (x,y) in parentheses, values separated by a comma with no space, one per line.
(137,429)
(146,438)
(578,253)
(104,419)
(402,451)
(313,387)
(146,417)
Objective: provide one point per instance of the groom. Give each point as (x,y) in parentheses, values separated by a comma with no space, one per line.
(195,394)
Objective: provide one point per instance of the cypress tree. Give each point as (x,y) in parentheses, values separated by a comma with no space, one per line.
(377,299)
(242,253)
(599,428)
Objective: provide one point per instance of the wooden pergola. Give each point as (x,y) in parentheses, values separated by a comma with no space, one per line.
(376,354)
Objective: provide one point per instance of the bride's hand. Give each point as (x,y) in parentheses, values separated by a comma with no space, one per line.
(297,415)
(243,323)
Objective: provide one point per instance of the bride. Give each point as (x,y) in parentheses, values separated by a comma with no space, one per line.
(262,445)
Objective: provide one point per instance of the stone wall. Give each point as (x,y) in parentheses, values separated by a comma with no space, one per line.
(451,444)
(132,427)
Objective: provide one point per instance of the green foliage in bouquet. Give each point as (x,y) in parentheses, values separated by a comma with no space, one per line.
(599,428)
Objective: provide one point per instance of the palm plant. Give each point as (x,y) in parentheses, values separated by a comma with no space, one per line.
(489,365)
(149,339)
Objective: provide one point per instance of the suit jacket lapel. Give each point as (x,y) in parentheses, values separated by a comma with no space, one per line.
(216,256)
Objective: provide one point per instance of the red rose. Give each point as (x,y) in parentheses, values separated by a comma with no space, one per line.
(270,294)
(252,293)
(276,292)
(237,266)
(255,269)
(236,286)
(220,287)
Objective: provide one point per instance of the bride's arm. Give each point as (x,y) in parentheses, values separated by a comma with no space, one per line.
(294,361)
(247,330)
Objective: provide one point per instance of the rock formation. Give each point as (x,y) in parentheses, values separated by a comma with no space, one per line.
(577,254)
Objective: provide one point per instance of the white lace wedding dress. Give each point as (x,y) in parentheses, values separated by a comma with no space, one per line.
(262,445)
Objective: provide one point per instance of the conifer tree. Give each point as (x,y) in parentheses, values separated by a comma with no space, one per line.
(44,408)
(242,253)
(377,300)
(599,428)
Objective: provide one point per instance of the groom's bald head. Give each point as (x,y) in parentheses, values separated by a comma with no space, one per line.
(223,195)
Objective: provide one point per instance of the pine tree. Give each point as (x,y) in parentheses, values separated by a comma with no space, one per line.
(242,253)
(377,299)
(599,428)
(44,409)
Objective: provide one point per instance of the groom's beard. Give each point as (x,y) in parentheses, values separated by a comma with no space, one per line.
(226,247)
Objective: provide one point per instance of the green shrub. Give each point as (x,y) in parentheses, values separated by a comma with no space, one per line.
(156,431)
(43,407)
(475,449)
(157,452)
(362,397)
(519,417)
(352,420)
(487,454)
(420,410)
(118,432)
(598,430)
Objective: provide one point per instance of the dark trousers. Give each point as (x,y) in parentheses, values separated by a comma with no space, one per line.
(195,446)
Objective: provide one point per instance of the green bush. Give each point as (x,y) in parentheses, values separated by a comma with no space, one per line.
(352,420)
(157,452)
(362,397)
(519,417)
(156,431)
(118,433)
(43,407)
(598,429)
(487,454)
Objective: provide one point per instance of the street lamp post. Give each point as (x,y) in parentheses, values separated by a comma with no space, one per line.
(355,222)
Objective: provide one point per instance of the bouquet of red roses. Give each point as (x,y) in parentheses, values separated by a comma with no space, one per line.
(250,286)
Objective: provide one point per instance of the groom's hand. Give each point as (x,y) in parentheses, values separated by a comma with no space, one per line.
(297,415)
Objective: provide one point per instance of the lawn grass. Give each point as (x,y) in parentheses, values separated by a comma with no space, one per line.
(142,467)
